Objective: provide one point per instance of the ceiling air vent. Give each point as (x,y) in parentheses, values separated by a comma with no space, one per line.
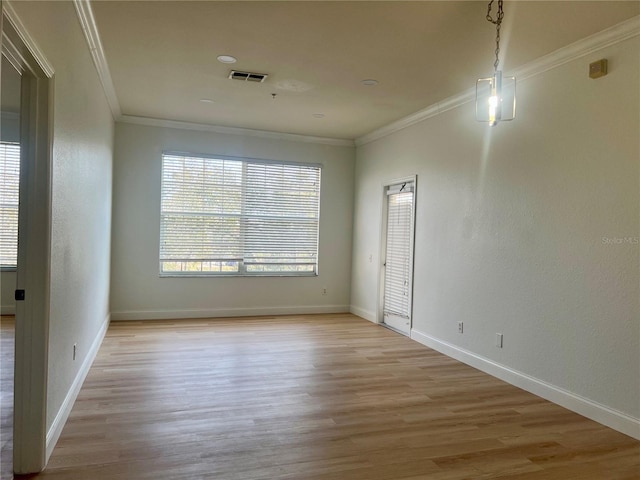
(247,76)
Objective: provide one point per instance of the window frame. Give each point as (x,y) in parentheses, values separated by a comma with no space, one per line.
(242,266)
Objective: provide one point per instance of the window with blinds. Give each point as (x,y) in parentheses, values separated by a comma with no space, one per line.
(9,200)
(231,216)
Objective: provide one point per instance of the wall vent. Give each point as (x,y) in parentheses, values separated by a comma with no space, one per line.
(248,76)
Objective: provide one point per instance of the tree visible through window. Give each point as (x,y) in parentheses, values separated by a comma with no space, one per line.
(9,198)
(230,216)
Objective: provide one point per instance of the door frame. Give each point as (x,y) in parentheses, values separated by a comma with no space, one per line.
(383,246)
(34,244)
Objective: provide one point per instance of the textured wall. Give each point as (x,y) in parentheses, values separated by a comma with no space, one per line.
(137,291)
(530,229)
(81,193)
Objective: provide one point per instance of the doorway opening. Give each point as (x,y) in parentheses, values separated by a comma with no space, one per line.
(32,280)
(10,93)
(397,272)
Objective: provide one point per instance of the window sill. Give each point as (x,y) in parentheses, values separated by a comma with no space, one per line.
(236,275)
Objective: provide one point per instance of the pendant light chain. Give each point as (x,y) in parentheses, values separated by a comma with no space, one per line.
(498,23)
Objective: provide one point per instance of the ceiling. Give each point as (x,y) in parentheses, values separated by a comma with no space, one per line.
(162,56)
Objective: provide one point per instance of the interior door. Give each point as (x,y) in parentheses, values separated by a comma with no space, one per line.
(398,265)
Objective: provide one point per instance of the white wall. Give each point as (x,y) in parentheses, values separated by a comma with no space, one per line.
(7,290)
(137,291)
(511,234)
(81,199)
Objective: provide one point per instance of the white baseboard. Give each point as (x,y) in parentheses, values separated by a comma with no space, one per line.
(361,312)
(65,409)
(226,312)
(600,413)
(7,309)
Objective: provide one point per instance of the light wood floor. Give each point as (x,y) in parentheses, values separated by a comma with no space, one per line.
(7,342)
(328,397)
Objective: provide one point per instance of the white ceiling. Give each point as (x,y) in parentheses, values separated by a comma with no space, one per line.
(162,56)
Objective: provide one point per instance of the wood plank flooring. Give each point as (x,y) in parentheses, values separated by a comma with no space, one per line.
(324,397)
(7,345)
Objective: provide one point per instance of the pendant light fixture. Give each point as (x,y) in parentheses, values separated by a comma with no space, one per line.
(496,95)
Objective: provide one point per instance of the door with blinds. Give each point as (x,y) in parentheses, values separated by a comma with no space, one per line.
(398,265)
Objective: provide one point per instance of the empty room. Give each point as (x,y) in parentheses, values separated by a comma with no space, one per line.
(320,240)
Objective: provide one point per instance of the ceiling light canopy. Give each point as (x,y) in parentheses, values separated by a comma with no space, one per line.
(496,95)
(369,82)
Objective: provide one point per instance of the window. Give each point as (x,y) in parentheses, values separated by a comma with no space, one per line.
(9,188)
(231,216)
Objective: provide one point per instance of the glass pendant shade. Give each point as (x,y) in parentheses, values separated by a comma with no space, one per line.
(496,99)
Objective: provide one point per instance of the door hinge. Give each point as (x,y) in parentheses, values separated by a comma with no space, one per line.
(19,295)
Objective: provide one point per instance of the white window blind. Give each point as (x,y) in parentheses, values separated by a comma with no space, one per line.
(9,199)
(226,216)
(398,256)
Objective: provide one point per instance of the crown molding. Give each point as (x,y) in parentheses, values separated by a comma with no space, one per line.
(203,127)
(616,34)
(90,30)
(11,15)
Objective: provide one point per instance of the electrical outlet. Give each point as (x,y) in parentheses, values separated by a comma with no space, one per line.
(75,348)
(499,340)
(324,290)
(460,327)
